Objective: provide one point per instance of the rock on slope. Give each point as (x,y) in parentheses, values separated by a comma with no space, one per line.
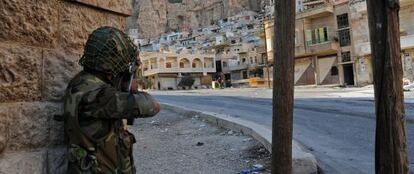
(153,17)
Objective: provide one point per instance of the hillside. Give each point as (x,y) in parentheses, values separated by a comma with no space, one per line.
(153,17)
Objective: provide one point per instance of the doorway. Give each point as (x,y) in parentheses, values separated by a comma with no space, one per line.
(349,74)
(218,66)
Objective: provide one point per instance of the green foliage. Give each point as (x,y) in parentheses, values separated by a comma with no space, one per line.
(144,82)
(187,81)
(221,46)
(175,1)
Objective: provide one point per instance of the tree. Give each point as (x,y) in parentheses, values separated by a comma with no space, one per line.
(283,86)
(144,82)
(390,139)
(187,81)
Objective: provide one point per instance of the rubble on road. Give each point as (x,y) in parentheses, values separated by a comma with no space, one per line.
(173,143)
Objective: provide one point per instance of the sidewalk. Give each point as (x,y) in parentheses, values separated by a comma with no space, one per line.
(176,144)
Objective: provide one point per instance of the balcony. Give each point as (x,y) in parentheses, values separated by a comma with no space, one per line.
(179,70)
(316,12)
(364,49)
(238,67)
(323,48)
(404,3)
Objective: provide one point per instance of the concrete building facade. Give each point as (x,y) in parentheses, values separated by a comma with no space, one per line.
(166,69)
(361,50)
(332,42)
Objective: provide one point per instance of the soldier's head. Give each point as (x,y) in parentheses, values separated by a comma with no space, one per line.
(109,51)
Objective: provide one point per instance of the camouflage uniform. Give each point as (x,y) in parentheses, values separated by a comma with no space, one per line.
(94,107)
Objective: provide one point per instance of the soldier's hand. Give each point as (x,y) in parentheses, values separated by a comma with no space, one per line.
(134,86)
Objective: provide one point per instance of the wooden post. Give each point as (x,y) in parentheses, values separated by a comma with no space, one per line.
(390,140)
(283,86)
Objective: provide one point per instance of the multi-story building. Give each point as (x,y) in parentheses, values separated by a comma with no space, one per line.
(165,69)
(360,53)
(332,42)
(316,44)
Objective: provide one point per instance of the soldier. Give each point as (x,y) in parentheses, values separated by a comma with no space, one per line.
(96,102)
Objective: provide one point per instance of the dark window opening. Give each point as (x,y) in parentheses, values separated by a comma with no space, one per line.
(344,37)
(334,71)
(346,56)
(245,75)
(343,21)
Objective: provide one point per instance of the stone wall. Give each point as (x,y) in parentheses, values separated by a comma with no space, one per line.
(40,45)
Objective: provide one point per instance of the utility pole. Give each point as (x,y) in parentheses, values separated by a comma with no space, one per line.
(390,139)
(283,86)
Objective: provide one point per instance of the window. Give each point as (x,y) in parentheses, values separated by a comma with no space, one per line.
(224,64)
(344,37)
(244,73)
(317,36)
(168,65)
(343,30)
(181,64)
(342,21)
(334,71)
(346,56)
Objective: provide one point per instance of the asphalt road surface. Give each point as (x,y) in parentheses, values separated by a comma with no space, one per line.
(340,132)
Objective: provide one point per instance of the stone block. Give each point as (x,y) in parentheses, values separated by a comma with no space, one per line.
(28,22)
(57,134)
(20,73)
(30,125)
(57,160)
(122,7)
(59,69)
(24,162)
(87,20)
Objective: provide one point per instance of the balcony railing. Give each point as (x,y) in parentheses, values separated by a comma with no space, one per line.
(325,47)
(364,49)
(319,11)
(179,70)
(238,67)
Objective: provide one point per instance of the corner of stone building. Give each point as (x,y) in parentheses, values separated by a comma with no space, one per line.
(40,45)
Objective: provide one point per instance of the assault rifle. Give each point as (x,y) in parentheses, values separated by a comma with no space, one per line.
(132,68)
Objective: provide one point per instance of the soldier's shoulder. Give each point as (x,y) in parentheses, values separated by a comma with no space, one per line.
(84,81)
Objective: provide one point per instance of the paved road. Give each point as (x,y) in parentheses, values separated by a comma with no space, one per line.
(339,131)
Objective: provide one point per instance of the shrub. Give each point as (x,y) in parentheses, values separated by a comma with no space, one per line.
(186,81)
(144,82)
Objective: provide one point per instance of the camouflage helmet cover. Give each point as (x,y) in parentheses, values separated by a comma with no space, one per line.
(109,50)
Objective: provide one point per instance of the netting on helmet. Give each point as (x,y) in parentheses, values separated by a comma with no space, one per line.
(109,50)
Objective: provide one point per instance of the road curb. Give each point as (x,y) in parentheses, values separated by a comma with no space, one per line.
(303,162)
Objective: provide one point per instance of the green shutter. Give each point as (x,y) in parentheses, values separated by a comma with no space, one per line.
(308,37)
(321,35)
